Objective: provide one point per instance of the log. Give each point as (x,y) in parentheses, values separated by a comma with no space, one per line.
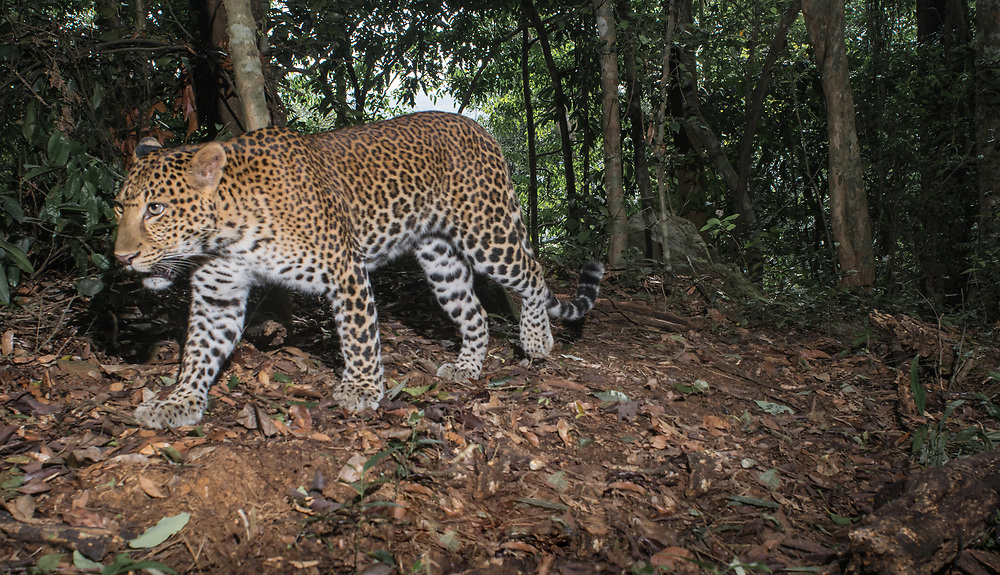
(941,511)
(91,542)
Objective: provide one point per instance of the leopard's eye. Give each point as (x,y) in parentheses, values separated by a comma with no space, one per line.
(154,209)
(118,207)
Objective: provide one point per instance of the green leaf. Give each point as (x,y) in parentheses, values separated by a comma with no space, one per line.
(160,532)
(4,287)
(948,411)
(696,386)
(417,391)
(542,503)
(124,564)
(843,519)
(82,563)
(376,459)
(612,396)
(48,563)
(281,378)
(916,388)
(755,502)
(89,287)
(558,481)
(19,257)
(58,149)
(770,478)
(28,126)
(773,408)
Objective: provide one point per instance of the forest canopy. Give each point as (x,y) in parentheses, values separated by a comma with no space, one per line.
(813,144)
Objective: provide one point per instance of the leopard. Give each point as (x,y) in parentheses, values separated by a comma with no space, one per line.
(317,213)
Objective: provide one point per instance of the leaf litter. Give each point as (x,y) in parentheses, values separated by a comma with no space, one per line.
(641,444)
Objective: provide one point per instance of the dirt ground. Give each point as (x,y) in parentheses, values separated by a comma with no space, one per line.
(663,435)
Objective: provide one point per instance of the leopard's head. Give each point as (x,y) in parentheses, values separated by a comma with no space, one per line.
(165,209)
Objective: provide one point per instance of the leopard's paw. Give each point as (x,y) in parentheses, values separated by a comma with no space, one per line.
(537,345)
(164,414)
(455,372)
(355,397)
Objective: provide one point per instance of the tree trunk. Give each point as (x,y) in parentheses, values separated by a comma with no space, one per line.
(754,108)
(660,149)
(559,101)
(247,69)
(637,131)
(988,120)
(529,118)
(611,123)
(848,200)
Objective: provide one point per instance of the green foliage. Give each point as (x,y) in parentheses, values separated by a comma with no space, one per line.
(88,79)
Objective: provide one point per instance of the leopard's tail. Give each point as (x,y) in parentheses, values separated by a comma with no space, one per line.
(586,294)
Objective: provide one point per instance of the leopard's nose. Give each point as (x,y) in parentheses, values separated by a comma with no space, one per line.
(126,259)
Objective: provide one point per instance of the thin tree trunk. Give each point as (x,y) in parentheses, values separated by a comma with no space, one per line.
(529,114)
(249,75)
(848,200)
(660,149)
(988,119)
(611,121)
(637,131)
(754,108)
(559,101)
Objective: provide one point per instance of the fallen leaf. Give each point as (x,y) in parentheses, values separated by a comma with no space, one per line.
(247,417)
(160,532)
(150,488)
(659,442)
(715,421)
(519,546)
(300,417)
(417,488)
(672,558)
(7,342)
(84,518)
(22,508)
(353,470)
(627,486)
(564,428)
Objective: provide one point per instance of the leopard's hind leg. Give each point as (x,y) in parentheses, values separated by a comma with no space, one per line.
(451,279)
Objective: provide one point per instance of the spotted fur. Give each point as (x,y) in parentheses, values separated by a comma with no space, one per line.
(316,213)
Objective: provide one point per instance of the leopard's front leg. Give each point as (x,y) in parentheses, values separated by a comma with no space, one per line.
(219,292)
(357,325)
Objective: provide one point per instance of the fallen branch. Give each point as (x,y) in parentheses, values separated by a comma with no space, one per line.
(940,512)
(93,543)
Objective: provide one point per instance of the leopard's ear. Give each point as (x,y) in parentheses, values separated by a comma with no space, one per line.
(207,167)
(147,145)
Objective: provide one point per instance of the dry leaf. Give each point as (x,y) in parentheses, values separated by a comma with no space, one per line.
(300,417)
(627,486)
(84,518)
(715,421)
(564,428)
(7,342)
(352,471)
(673,558)
(519,546)
(150,488)
(22,508)
(417,488)
(659,442)
(247,417)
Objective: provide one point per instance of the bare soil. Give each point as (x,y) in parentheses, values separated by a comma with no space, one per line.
(665,434)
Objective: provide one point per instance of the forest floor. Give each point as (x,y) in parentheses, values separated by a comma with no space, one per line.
(663,435)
